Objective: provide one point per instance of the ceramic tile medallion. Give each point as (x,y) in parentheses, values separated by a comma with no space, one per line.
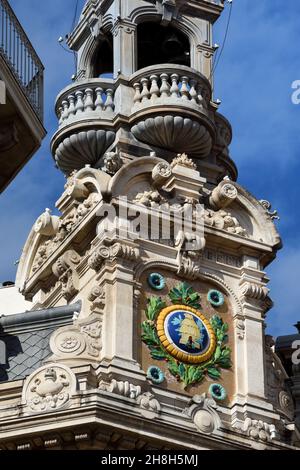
(179,334)
(186,334)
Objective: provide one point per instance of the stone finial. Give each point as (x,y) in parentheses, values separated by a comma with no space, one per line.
(184,160)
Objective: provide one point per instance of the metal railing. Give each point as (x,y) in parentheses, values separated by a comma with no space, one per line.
(19,54)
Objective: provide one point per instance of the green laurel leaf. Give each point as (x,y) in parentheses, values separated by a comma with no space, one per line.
(154,306)
(185,294)
(213,373)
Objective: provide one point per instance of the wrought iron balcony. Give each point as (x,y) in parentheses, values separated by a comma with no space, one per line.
(21,58)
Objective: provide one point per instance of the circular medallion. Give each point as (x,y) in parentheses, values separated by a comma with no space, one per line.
(186,334)
(216,298)
(156,281)
(155,374)
(218,392)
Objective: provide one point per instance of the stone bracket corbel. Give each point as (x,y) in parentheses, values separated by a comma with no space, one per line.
(65,270)
(202,411)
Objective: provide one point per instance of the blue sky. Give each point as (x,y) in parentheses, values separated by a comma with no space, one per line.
(253,79)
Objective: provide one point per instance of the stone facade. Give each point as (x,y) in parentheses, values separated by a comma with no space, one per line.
(120,375)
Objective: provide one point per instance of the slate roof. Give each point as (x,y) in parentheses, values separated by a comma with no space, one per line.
(24,339)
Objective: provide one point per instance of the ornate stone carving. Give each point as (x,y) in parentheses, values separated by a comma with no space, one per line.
(49,388)
(91,329)
(110,251)
(86,206)
(97,297)
(276,381)
(81,340)
(203,412)
(268,206)
(75,188)
(188,246)
(150,406)
(184,160)
(149,199)
(240,329)
(188,269)
(65,270)
(259,430)
(47,224)
(125,389)
(62,226)
(112,163)
(286,403)
(161,173)
(223,195)
(225,221)
(254,291)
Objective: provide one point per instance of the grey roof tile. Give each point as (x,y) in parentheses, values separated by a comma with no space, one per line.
(25,353)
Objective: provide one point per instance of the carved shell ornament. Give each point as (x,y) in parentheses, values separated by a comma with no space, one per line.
(174,133)
(179,334)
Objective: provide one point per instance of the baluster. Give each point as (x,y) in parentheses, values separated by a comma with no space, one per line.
(65,114)
(193,92)
(109,103)
(99,103)
(60,111)
(72,110)
(79,104)
(174,90)
(184,88)
(165,87)
(137,97)
(154,90)
(145,92)
(201,100)
(88,101)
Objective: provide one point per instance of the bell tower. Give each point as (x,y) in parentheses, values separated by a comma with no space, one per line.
(143,85)
(158,250)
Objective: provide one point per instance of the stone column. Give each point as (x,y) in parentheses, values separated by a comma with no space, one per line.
(125,48)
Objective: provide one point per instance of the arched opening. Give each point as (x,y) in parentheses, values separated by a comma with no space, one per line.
(103,61)
(162,44)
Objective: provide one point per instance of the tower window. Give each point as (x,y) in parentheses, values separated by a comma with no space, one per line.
(103,61)
(158,44)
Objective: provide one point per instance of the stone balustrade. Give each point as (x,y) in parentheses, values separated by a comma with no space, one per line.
(86,100)
(170,84)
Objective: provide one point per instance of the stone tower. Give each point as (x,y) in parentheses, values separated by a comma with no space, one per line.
(150,286)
